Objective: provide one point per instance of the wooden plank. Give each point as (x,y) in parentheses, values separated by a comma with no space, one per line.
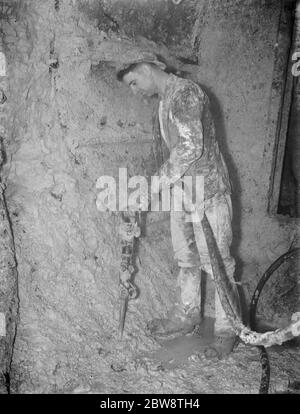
(281,95)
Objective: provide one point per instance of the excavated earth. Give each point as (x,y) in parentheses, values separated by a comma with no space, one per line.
(71,122)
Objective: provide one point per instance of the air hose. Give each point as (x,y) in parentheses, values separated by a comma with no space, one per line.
(226,292)
(264,359)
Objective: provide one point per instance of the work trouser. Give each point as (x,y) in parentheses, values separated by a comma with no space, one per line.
(191,253)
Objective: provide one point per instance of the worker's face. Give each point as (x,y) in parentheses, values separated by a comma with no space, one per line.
(141,82)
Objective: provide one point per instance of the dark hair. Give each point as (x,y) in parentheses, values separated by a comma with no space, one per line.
(123,72)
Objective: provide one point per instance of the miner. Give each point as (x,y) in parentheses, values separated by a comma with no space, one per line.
(185,123)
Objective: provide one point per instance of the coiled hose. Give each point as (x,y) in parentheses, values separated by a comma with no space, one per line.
(264,359)
(226,291)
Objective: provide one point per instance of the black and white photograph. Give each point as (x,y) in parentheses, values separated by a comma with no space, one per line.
(149,201)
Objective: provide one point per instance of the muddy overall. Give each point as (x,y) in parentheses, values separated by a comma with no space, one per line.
(185,123)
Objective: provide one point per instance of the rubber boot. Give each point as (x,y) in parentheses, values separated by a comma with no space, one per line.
(222,346)
(177,323)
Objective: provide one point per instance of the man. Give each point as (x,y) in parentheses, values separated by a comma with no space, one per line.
(186,126)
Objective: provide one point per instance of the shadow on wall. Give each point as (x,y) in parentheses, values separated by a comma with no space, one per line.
(190,73)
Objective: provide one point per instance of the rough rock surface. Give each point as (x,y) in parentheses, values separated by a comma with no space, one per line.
(8,265)
(71,123)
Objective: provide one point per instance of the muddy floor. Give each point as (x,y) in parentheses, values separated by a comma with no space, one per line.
(179,366)
(69,122)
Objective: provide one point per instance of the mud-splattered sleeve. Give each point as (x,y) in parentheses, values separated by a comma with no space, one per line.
(185,116)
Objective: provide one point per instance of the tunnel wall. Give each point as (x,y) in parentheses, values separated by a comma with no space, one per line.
(72,122)
(245,73)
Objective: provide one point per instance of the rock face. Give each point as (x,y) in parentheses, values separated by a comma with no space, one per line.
(8,265)
(8,296)
(71,122)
